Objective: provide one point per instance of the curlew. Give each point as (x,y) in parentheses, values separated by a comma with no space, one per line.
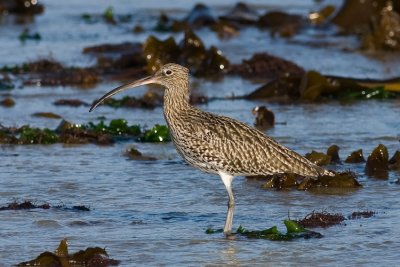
(218,144)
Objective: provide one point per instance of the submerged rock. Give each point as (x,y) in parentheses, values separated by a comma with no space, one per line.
(265,118)
(318,158)
(134,154)
(377,163)
(355,157)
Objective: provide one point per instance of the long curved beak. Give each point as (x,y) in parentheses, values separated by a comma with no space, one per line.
(147,80)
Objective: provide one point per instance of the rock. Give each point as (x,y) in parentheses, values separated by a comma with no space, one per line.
(48,115)
(7,102)
(21,7)
(340,180)
(282,88)
(318,158)
(191,53)
(134,154)
(264,66)
(355,157)
(285,24)
(71,102)
(377,163)
(333,152)
(394,162)
(241,13)
(200,16)
(265,118)
(385,32)
(355,16)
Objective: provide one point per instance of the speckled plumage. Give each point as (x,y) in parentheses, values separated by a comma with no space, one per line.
(218,144)
(211,142)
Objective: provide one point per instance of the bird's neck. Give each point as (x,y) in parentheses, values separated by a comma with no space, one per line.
(176,100)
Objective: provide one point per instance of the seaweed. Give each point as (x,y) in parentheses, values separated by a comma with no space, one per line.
(321,219)
(90,257)
(293,231)
(159,133)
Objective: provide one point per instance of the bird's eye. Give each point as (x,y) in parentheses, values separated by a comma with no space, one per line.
(168,72)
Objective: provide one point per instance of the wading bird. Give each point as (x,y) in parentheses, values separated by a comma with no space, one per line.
(218,144)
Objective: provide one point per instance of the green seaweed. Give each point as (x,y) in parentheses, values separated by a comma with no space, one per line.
(293,231)
(108,15)
(26,35)
(373,93)
(159,133)
(38,136)
(115,127)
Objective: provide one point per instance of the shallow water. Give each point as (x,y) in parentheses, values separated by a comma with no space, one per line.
(156,212)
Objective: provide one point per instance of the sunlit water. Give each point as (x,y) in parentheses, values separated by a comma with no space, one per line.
(156,212)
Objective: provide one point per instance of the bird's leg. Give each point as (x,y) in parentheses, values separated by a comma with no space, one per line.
(227,180)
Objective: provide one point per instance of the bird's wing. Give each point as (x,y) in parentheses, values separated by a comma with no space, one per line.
(235,147)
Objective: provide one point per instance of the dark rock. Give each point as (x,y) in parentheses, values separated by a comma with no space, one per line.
(285,24)
(7,102)
(377,163)
(265,118)
(133,153)
(356,16)
(48,115)
(21,7)
(355,157)
(190,53)
(333,152)
(283,88)
(318,158)
(264,66)
(71,102)
(385,32)
(158,53)
(200,16)
(241,13)
(394,162)
(114,57)
(340,180)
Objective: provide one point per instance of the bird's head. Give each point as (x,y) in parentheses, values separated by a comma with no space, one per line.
(170,76)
